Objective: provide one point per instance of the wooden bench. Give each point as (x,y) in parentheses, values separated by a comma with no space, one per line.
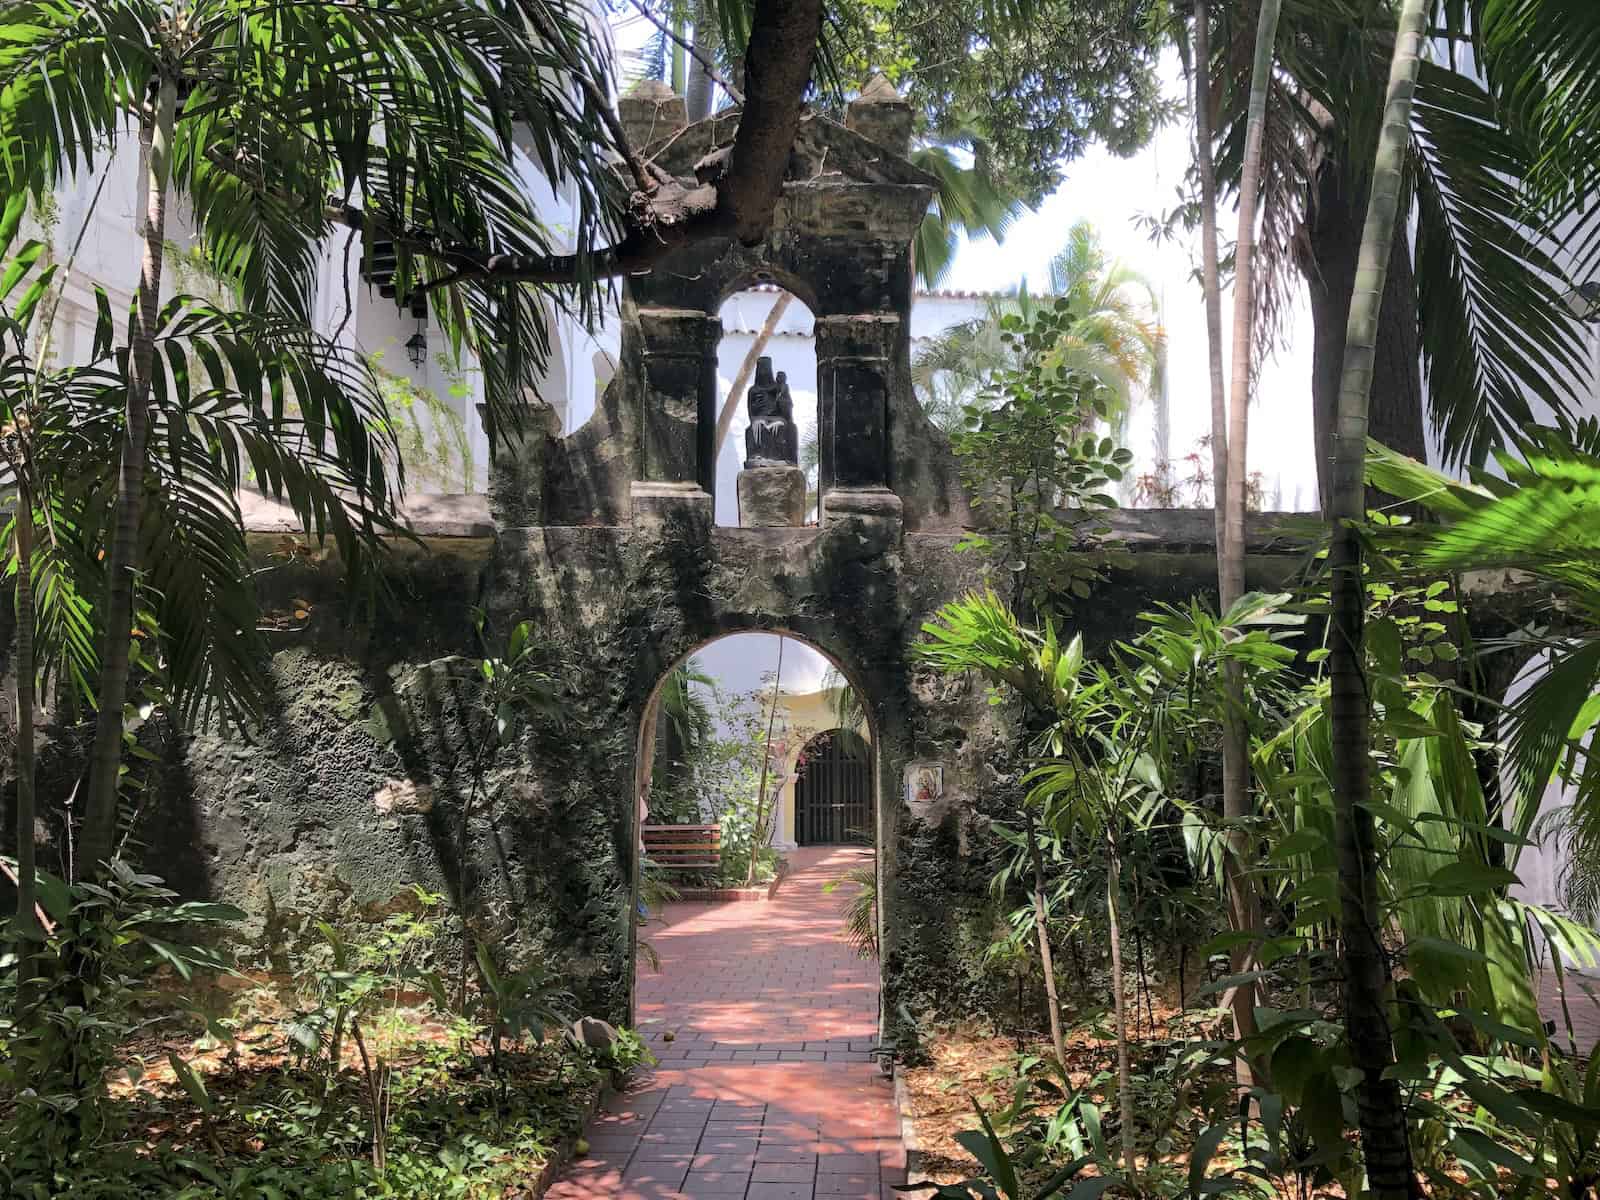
(684,847)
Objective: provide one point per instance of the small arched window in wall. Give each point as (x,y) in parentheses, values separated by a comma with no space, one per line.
(767,346)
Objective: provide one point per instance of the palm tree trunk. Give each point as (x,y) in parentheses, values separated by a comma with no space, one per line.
(1240,914)
(1119,1004)
(1384,1140)
(680,57)
(100,803)
(766,760)
(1042,927)
(29,930)
(1331,247)
(1244,908)
(1210,271)
(1244,297)
(702,87)
(747,368)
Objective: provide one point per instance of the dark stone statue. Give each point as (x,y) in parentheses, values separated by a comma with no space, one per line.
(771,440)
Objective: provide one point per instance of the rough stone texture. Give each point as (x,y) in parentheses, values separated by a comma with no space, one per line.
(772,497)
(353,790)
(841,242)
(881,114)
(651,112)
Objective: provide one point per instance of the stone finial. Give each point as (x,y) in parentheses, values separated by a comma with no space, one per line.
(651,111)
(882,115)
(880,91)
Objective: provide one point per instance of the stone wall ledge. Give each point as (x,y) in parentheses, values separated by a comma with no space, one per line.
(429,516)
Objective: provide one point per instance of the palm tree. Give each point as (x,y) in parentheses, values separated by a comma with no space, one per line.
(848,711)
(200,649)
(1115,337)
(1384,1134)
(1110,731)
(685,710)
(250,111)
(1230,468)
(1474,300)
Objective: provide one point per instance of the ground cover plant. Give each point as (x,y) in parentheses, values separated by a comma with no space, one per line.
(355,1075)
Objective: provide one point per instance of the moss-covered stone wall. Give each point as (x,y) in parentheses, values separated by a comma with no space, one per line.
(352,792)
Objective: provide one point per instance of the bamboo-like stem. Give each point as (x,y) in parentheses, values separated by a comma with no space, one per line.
(100,802)
(1210,269)
(1379,1102)
(1244,907)
(1120,1005)
(766,760)
(29,926)
(1042,928)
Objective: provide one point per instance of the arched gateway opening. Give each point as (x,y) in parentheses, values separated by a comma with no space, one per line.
(833,790)
(756,923)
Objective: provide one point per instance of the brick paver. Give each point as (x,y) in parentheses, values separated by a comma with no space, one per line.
(1582,1007)
(766,1090)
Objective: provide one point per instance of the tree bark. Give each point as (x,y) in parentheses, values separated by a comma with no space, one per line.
(1332,244)
(100,802)
(1211,272)
(1120,1004)
(1042,928)
(730,406)
(30,932)
(1384,1136)
(743,185)
(766,760)
(1231,566)
(1244,908)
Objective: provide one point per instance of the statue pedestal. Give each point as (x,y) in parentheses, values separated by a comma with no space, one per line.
(772,497)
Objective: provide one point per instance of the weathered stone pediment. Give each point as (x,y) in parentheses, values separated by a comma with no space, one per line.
(825,154)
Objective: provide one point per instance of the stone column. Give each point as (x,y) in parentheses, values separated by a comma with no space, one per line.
(516,476)
(882,114)
(679,422)
(855,368)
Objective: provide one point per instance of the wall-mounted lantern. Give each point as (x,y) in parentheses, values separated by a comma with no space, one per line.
(417,347)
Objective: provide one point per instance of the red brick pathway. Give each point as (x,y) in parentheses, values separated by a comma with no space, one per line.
(1582,1006)
(766,1091)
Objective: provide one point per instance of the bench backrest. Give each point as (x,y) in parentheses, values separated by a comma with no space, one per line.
(683,847)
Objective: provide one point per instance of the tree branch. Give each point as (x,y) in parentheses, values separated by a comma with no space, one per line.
(739,192)
(705,63)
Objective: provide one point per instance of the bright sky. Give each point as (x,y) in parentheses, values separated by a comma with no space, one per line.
(1113,194)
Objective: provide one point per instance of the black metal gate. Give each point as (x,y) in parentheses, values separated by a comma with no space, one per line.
(833,796)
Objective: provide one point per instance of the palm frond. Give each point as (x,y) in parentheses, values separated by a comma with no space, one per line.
(1543,518)
(421,123)
(238,401)
(1542,59)
(970,202)
(1495,333)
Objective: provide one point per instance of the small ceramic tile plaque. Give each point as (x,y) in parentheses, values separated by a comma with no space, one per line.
(924,787)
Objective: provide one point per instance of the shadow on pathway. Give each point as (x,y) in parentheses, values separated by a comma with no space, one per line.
(766,1090)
